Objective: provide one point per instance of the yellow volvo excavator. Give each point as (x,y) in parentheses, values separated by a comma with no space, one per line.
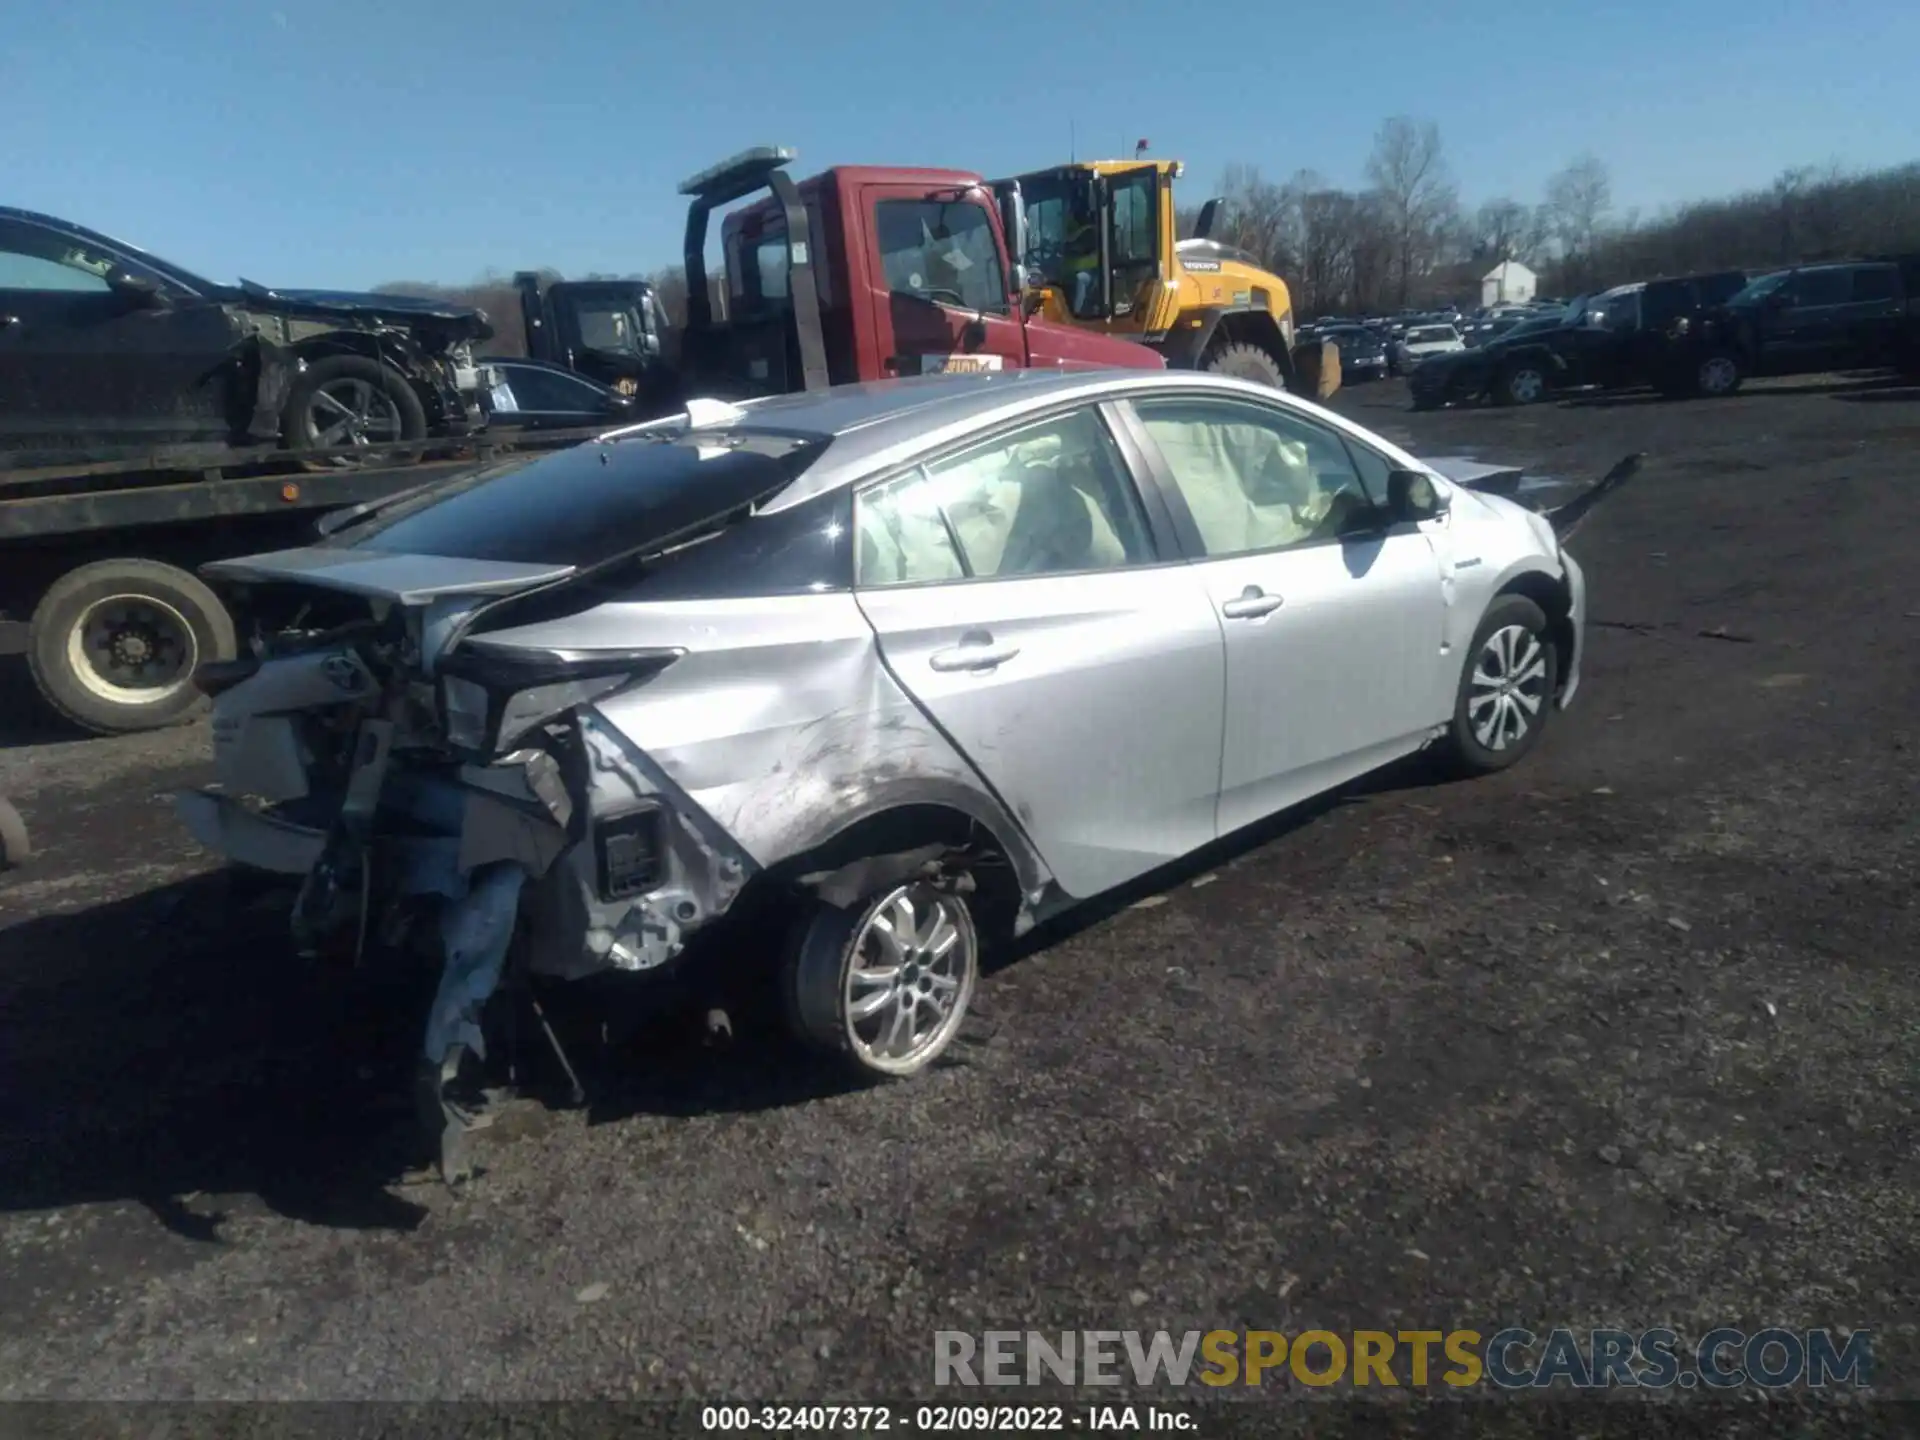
(1101,253)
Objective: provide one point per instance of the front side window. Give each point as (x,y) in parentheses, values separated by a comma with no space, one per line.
(1873,282)
(35,259)
(1255,478)
(1052,499)
(1822,287)
(942,251)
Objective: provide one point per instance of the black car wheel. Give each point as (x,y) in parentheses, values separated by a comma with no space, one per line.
(1522,384)
(346,400)
(1718,374)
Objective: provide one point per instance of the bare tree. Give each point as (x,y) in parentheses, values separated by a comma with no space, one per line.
(1255,217)
(1504,229)
(1416,196)
(1579,199)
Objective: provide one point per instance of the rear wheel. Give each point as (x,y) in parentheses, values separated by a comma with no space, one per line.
(1244,362)
(1718,374)
(114,644)
(884,985)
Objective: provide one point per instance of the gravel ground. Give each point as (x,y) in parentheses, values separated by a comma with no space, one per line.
(1626,1037)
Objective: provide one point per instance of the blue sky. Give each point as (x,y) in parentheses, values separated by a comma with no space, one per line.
(350,142)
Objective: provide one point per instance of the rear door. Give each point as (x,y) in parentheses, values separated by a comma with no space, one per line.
(936,277)
(1023,599)
(1333,637)
(1874,317)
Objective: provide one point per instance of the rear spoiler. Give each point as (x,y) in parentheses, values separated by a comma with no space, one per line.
(763,168)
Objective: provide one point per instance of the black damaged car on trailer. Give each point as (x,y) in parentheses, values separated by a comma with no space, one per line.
(107,350)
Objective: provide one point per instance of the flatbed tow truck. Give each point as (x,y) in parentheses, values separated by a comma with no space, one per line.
(859,273)
(97,556)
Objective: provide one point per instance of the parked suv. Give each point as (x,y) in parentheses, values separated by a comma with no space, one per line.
(1852,315)
(1636,334)
(105,350)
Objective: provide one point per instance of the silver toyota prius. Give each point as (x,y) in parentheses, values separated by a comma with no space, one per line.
(906,663)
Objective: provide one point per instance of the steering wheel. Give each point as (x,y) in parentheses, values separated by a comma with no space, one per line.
(936,292)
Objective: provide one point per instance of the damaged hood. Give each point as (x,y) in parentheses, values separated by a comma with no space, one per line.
(464,321)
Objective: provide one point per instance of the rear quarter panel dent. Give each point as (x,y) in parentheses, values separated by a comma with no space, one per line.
(783,725)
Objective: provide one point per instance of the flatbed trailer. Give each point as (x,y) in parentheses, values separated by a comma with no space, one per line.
(98,554)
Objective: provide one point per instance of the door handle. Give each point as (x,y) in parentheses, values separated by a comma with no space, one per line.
(1251,604)
(976,651)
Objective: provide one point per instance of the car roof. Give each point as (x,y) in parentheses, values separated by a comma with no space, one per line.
(881,425)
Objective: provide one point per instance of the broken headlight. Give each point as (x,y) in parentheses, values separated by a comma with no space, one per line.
(490,698)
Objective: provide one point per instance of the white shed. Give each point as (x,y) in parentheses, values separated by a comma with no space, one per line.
(1508,283)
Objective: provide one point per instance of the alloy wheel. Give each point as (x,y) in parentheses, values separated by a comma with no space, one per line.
(909,978)
(1526,386)
(1718,375)
(1508,688)
(351,411)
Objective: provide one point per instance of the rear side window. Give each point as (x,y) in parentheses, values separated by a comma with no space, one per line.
(942,251)
(1052,499)
(1873,282)
(593,503)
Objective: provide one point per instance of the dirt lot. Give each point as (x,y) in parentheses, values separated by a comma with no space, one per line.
(1627,1037)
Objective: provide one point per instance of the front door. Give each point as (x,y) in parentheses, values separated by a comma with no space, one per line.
(1022,600)
(1333,625)
(1804,330)
(85,367)
(936,275)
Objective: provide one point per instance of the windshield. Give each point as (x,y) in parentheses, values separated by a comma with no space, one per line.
(590,504)
(1431,335)
(1354,340)
(1764,286)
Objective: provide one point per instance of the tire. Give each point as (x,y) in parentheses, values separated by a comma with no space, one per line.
(14,849)
(1244,362)
(819,978)
(1717,375)
(1522,384)
(113,645)
(351,400)
(1471,747)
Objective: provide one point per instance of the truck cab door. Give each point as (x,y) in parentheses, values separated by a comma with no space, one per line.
(603,330)
(937,281)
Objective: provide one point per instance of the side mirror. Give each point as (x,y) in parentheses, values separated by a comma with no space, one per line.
(1017,279)
(1412,496)
(138,291)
